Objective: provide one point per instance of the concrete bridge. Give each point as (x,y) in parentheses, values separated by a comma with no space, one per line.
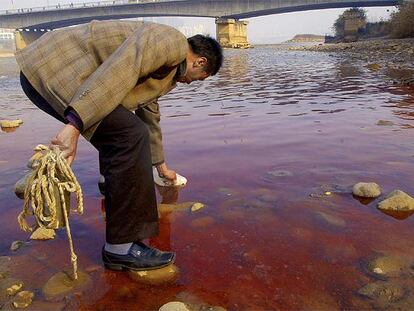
(226,12)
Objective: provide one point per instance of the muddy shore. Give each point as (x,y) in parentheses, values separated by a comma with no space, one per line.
(393,57)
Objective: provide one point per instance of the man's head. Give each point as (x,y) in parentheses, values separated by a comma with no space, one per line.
(204,59)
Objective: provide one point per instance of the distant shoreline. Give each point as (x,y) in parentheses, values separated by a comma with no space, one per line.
(5,55)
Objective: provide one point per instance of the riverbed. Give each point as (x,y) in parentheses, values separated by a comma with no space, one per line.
(272,146)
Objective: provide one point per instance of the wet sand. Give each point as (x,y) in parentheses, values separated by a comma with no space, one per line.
(255,142)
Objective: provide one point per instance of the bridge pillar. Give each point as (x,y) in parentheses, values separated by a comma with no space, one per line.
(23,38)
(232,33)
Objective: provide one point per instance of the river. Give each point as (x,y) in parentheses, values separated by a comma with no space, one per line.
(261,144)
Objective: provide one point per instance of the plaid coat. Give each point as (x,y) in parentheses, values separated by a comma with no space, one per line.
(95,67)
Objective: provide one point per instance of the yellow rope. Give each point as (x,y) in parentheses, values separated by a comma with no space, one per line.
(53,172)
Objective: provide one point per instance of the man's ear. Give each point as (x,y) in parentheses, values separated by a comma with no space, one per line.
(201,61)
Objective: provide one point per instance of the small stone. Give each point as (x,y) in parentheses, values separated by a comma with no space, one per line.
(13,289)
(10,123)
(388,265)
(382,291)
(166,208)
(155,277)
(366,190)
(16,245)
(197,206)
(397,200)
(20,186)
(43,234)
(62,283)
(385,123)
(23,300)
(374,67)
(328,193)
(174,306)
(279,173)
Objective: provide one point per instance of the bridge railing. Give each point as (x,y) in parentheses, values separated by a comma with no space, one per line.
(70,6)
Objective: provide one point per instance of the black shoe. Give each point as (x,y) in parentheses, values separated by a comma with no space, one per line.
(139,257)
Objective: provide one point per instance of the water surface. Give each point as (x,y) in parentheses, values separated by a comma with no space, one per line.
(272,128)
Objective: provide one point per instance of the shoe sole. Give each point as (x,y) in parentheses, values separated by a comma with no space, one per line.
(121,267)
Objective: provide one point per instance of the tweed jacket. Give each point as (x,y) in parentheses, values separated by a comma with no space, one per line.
(95,67)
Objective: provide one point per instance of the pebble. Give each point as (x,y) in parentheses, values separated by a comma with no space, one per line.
(16,245)
(155,277)
(385,123)
(20,186)
(197,206)
(382,291)
(166,208)
(13,289)
(11,123)
(174,306)
(397,200)
(280,173)
(62,283)
(23,300)
(43,234)
(388,266)
(366,190)
(374,67)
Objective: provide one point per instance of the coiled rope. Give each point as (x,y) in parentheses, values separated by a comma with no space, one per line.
(51,174)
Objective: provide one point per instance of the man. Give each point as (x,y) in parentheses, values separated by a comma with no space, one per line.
(91,77)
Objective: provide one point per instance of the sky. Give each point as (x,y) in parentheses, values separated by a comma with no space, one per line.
(264,29)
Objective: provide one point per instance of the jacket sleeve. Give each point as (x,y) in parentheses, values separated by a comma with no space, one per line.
(150,114)
(142,53)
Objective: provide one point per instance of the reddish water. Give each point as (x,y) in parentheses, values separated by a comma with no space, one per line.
(254,142)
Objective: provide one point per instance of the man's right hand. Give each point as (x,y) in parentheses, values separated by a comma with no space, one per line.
(165,172)
(67,141)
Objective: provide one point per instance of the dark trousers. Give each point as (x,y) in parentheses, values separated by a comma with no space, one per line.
(122,140)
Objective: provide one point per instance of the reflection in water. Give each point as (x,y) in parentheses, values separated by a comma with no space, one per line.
(400,215)
(256,141)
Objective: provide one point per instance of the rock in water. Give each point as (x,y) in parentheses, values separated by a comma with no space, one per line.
(366,190)
(385,123)
(21,184)
(388,266)
(62,283)
(23,300)
(167,208)
(14,288)
(397,200)
(384,292)
(16,245)
(374,67)
(197,206)
(43,234)
(174,306)
(10,123)
(155,277)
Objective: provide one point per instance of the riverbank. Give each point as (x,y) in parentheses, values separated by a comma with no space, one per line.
(394,57)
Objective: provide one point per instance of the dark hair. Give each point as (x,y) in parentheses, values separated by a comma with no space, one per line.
(209,48)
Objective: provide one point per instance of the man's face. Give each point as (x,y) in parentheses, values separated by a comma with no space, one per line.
(195,71)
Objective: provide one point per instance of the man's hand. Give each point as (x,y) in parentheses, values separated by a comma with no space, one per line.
(164,172)
(67,141)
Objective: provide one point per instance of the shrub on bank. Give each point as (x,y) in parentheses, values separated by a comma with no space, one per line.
(402,21)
